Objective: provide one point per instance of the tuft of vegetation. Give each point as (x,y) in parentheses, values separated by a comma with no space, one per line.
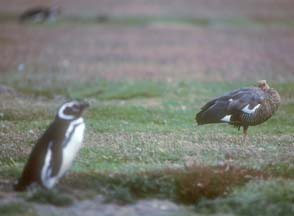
(52,197)
(283,168)
(272,198)
(184,186)
(10,172)
(17,209)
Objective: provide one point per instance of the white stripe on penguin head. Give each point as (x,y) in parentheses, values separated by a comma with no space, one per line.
(61,111)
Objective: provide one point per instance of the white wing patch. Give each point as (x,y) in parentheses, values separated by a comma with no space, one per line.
(231,99)
(227,118)
(249,111)
(47,180)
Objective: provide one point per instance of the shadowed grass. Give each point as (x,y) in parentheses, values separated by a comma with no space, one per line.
(185,186)
(52,197)
(274,197)
(10,172)
(16,208)
(283,168)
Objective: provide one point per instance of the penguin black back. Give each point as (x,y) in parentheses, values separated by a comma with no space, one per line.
(47,155)
(32,170)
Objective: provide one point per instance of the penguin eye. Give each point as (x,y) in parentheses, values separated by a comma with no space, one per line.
(68,110)
(72,110)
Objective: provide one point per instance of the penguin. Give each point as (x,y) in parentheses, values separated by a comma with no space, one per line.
(56,149)
(40,14)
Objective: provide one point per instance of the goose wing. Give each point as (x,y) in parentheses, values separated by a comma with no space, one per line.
(220,109)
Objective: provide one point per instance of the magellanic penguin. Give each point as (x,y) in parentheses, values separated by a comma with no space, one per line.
(55,151)
(40,14)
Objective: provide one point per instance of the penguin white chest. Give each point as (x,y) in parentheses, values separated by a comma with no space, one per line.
(75,135)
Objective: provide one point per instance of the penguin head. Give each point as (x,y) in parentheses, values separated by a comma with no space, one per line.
(72,110)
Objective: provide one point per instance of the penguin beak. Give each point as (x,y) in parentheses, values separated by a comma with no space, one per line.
(84,105)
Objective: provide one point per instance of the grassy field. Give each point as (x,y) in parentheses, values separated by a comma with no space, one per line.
(146,68)
(142,142)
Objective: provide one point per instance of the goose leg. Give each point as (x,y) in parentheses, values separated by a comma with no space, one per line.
(245,128)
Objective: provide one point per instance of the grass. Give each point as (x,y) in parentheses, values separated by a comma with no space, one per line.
(117,90)
(16,208)
(142,141)
(49,197)
(273,197)
(145,20)
(283,168)
(184,186)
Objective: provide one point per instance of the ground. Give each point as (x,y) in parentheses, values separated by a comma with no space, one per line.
(147,67)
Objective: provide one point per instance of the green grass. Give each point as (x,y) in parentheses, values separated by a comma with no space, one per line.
(283,168)
(104,90)
(52,197)
(142,141)
(273,197)
(16,209)
(184,186)
(135,118)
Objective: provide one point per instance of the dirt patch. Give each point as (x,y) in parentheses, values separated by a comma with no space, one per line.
(62,53)
(155,50)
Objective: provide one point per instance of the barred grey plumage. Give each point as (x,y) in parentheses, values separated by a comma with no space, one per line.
(242,108)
